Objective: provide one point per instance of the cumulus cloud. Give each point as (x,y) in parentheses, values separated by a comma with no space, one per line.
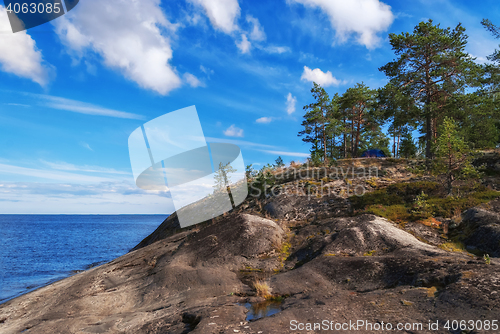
(233,131)
(290,103)
(257,33)
(244,45)
(264,120)
(221,13)
(364,18)
(128,35)
(192,80)
(19,54)
(319,77)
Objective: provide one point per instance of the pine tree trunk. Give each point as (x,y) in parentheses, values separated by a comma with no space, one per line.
(352,134)
(399,137)
(428,131)
(394,145)
(345,139)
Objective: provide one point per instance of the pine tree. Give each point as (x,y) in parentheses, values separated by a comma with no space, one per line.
(408,149)
(358,104)
(316,122)
(279,162)
(432,65)
(453,156)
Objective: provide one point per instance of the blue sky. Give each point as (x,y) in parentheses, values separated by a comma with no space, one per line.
(74,89)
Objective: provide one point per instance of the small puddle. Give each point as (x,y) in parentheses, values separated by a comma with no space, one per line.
(263,309)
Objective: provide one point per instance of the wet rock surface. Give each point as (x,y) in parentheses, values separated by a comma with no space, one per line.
(316,260)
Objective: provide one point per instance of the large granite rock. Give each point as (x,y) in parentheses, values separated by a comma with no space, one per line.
(338,269)
(482,231)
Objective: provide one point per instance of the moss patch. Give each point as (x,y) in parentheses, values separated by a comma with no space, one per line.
(396,202)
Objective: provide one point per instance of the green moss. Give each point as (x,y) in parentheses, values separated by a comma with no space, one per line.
(453,246)
(372,182)
(396,202)
(446,207)
(370,253)
(396,213)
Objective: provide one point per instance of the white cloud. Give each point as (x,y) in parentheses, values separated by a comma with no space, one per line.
(128,35)
(221,13)
(19,54)
(290,103)
(192,80)
(61,103)
(264,120)
(480,59)
(319,77)
(364,18)
(244,45)
(110,197)
(257,33)
(233,131)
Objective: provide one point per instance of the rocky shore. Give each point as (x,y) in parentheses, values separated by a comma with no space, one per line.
(309,259)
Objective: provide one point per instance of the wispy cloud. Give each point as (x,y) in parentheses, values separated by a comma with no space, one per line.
(207,71)
(276,49)
(87,146)
(238,142)
(192,80)
(61,165)
(287,154)
(62,103)
(257,33)
(17,105)
(50,175)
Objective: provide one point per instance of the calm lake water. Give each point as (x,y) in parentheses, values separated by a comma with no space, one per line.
(40,249)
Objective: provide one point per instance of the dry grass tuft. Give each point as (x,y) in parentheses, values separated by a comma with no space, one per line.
(263,289)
